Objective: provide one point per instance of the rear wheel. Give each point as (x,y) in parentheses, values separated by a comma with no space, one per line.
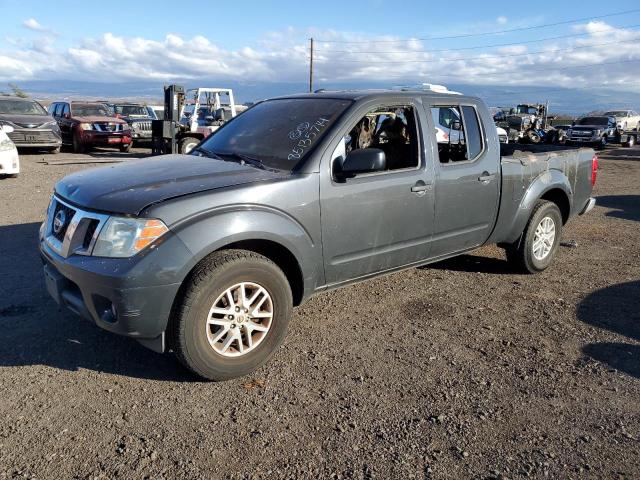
(125,147)
(234,315)
(630,142)
(534,137)
(536,247)
(187,144)
(603,143)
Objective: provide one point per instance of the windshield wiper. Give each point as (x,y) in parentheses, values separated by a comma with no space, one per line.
(206,153)
(242,158)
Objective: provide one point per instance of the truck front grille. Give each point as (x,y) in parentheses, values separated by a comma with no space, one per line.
(144,126)
(61,219)
(31,136)
(108,127)
(70,230)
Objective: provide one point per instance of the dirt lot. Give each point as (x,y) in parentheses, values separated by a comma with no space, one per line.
(460,370)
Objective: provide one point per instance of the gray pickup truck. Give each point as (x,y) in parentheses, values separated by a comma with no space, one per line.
(206,254)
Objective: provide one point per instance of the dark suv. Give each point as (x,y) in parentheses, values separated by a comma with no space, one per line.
(138,117)
(84,125)
(32,125)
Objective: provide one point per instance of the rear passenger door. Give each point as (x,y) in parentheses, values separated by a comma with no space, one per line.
(467,177)
(65,121)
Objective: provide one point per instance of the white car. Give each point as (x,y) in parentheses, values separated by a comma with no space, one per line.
(625,119)
(9,161)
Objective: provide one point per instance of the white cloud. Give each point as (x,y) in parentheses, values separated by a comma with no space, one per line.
(502,20)
(33,24)
(283,57)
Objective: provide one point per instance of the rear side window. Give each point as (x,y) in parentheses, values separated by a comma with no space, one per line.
(458,133)
(474,134)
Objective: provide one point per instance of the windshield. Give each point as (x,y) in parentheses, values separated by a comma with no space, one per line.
(280,133)
(21,107)
(617,113)
(593,121)
(526,109)
(131,110)
(90,111)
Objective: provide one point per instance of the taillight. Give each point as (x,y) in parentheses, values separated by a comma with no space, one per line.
(594,170)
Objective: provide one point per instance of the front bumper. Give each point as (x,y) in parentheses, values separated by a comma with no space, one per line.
(131,297)
(35,138)
(105,139)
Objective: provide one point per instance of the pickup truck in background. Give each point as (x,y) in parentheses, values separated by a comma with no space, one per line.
(594,131)
(207,254)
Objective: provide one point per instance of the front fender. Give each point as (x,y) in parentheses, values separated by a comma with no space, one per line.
(217,228)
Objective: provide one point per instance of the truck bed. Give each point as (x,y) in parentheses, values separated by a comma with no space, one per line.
(526,167)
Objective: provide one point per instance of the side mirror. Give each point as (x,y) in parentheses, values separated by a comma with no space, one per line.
(6,128)
(364,160)
(456,125)
(66,115)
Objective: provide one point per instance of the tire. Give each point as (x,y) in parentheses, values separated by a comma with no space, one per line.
(630,143)
(125,148)
(198,344)
(54,151)
(78,147)
(534,137)
(521,253)
(602,144)
(187,144)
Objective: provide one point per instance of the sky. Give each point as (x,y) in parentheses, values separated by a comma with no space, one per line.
(397,42)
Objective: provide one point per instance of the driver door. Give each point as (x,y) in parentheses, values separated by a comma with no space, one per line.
(381,220)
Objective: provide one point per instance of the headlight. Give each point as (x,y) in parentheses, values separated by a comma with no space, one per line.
(6,145)
(85,126)
(124,237)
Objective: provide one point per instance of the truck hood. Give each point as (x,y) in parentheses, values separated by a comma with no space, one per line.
(129,187)
(97,119)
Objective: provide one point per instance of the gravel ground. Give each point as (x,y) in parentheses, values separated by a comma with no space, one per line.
(459,370)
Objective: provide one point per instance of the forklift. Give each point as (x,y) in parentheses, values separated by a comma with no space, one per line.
(190,116)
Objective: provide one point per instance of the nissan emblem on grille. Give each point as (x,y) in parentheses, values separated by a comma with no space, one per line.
(59,221)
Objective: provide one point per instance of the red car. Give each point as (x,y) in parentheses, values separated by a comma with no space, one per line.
(84,125)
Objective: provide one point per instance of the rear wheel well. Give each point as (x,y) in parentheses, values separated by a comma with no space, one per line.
(559,197)
(279,255)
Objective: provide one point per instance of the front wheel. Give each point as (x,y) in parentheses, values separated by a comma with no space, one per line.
(536,247)
(78,147)
(188,144)
(630,142)
(125,148)
(233,316)
(602,144)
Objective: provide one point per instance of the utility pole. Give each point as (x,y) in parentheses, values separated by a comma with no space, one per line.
(311,66)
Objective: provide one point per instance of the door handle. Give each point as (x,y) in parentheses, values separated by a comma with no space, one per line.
(485,177)
(421,187)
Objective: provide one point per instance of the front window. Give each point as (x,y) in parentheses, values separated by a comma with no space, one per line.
(593,121)
(21,107)
(90,111)
(616,113)
(526,109)
(279,133)
(131,110)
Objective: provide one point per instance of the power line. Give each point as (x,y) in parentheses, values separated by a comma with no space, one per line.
(495,32)
(477,47)
(520,70)
(563,50)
